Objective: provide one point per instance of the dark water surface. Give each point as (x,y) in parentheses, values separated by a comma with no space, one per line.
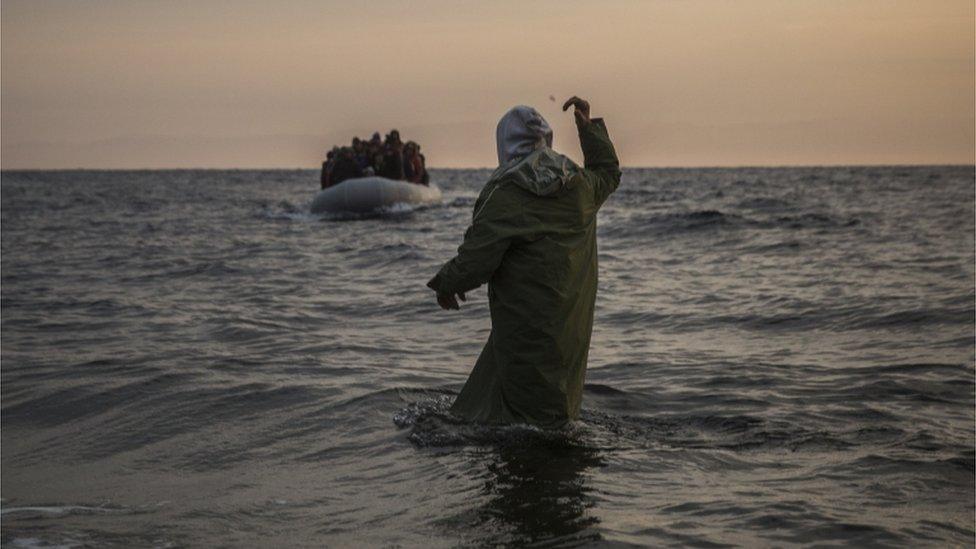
(780,357)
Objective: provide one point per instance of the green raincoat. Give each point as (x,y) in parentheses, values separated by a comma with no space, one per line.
(533,240)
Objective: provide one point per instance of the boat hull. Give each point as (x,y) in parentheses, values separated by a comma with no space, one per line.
(368,194)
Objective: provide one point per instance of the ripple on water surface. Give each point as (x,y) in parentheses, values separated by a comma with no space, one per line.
(779,357)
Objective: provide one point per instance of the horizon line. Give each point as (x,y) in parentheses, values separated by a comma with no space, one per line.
(657,167)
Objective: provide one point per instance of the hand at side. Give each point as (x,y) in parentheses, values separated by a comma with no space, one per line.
(449,301)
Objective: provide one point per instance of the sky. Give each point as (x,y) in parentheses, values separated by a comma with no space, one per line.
(257,84)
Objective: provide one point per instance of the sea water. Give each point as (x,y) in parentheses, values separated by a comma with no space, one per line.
(779,357)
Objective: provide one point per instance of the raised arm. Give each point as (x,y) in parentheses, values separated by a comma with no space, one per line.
(602,168)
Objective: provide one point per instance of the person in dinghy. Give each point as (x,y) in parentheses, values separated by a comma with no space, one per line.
(390,159)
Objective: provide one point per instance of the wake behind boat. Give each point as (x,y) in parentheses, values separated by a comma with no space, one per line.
(369,194)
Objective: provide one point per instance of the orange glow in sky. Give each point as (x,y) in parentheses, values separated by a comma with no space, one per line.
(245,84)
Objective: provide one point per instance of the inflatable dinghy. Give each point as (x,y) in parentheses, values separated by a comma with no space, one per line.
(367,194)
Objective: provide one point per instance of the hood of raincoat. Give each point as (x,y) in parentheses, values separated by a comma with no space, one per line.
(542,173)
(519,132)
(525,155)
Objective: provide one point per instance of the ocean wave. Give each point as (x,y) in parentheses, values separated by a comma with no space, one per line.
(697,221)
(780,356)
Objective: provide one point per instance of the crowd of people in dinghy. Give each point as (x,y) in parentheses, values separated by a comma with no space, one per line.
(390,158)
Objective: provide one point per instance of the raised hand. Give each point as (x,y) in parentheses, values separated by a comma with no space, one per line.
(582,111)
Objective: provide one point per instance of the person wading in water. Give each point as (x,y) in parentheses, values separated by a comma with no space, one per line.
(533,240)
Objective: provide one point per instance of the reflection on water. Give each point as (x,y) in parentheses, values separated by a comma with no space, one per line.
(539,492)
(533,485)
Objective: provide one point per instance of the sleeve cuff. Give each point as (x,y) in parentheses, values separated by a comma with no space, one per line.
(440,283)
